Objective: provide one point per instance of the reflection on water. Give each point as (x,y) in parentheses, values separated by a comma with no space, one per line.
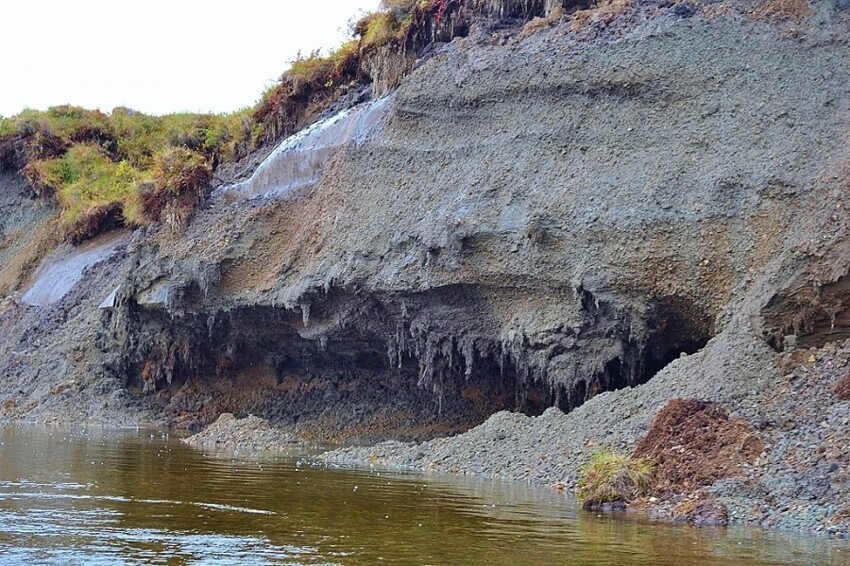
(140,498)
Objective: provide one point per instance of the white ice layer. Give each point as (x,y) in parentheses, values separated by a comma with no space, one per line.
(300,159)
(58,274)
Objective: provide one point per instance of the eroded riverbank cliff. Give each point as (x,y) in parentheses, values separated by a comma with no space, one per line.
(600,213)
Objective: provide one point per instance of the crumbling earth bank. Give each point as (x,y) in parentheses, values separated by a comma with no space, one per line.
(533,220)
(528,226)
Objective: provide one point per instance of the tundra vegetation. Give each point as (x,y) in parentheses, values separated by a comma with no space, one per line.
(122,168)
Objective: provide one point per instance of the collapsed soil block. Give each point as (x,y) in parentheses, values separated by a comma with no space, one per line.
(695,443)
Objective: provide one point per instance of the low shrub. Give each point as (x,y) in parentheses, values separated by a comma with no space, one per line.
(611,477)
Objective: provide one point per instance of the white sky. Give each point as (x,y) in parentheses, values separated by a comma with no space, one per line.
(158,56)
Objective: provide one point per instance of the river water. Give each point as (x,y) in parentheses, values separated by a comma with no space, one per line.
(143,497)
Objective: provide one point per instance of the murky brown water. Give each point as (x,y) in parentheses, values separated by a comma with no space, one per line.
(137,498)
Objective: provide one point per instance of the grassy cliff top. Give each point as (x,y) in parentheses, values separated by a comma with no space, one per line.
(126,168)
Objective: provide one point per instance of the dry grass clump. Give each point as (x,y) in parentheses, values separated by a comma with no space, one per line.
(610,477)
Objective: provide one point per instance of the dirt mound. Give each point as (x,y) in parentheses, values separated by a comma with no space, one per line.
(695,443)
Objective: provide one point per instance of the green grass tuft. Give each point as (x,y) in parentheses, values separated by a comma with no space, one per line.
(84,179)
(610,477)
(319,71)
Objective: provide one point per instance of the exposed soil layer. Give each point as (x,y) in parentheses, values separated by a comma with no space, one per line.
(550,231)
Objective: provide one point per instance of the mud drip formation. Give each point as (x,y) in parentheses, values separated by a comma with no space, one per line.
(516,234)
(809,315)
(431,362)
